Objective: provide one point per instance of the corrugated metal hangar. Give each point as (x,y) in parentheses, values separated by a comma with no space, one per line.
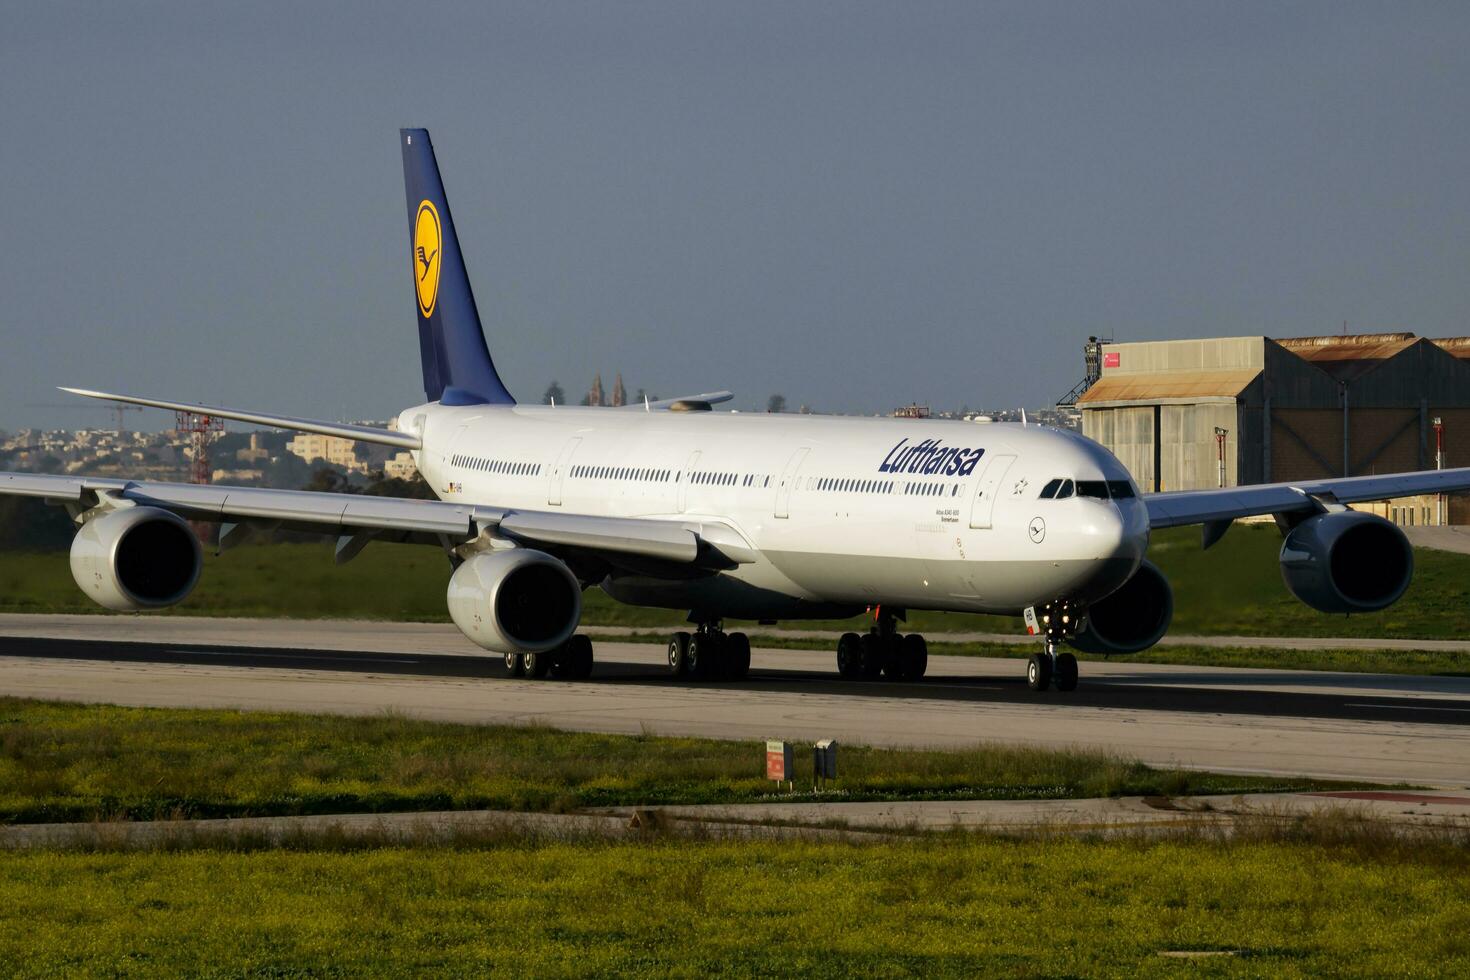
(1188,414)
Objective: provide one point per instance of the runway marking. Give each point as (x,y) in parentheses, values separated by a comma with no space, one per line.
(344,658)
(1399,707)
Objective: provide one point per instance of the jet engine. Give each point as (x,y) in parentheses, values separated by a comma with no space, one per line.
(136,558)
(1347,562)
(1131,619)
(515,601)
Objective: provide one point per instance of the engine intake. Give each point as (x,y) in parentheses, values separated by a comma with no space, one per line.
(136,558)
(1133,618)
(515,601)
(1347,562)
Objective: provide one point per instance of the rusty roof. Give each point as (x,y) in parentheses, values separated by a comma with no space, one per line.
(1153,386)
(1347,356)
(1457,346)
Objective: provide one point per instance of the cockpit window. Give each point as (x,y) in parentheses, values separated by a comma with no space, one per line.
(1120,489)
(1050,490)
(1065,491)
(1092,488)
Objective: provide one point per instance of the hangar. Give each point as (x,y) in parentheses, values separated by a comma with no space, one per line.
(1190,414)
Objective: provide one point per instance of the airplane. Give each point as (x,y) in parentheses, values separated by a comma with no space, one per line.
(725,515)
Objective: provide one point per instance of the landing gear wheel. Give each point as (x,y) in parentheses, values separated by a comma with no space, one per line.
(576,659)
(737,656)
(914,657)
(537,665)
(679,655)
(849,655)
(704,655)
(1038,672)
(873,655)
(1065,674)
(515,665)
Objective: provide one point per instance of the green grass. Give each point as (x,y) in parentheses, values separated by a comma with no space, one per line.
(954,905)
(67,762)
(1233,589)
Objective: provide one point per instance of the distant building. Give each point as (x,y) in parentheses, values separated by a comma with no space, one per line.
(594,396)
(333,449)
(254,454)
(400,467)
(237,476)
(1190,414)
(619,393)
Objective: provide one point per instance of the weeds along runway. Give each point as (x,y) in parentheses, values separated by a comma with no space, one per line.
(1391,728)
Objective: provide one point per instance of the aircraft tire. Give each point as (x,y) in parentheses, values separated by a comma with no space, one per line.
(537,665)
(1038,672)
(679,654)
(704,656)
(1066,672)
(515,665)
(737,656)
(873,656)
(576,658)
(915,656)
(849,656)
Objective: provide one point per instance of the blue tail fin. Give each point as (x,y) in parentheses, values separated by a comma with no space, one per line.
(457,365)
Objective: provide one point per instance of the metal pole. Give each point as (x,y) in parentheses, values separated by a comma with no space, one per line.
(1439,465)
(1220,449)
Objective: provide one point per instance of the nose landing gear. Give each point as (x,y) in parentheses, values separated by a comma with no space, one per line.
(1055,621)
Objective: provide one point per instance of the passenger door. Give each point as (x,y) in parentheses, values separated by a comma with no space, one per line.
(684,480)
(788,480)
(986,489)
(559,470)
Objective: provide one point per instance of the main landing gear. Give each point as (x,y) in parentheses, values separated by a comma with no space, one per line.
(1055,621)
(709,653)
(882,651)
(572,661)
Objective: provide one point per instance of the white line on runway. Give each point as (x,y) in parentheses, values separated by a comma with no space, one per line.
(290,656)
(1400,707)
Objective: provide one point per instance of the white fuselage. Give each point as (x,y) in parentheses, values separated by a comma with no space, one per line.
(835,513)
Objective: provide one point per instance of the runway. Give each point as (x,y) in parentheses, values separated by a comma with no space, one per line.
(1391,728)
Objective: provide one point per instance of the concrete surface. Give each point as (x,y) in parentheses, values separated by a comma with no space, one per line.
(1389,728)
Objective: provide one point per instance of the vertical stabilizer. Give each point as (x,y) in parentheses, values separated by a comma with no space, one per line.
(456,362)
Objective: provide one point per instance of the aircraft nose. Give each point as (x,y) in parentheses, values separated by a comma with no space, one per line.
(1117,538)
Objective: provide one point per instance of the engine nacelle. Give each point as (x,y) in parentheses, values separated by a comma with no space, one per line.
(1133,618)
(515,601)
(136,558)
(1347,562)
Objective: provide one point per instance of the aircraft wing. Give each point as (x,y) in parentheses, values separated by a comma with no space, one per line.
(1178,507)
(356,516)
(362,433)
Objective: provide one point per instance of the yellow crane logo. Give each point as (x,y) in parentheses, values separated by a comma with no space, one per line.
(427,241)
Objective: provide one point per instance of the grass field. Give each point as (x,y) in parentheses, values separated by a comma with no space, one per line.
(1234,588)
(66,762)
(952,905)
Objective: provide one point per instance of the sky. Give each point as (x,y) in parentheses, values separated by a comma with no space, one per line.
(857,205)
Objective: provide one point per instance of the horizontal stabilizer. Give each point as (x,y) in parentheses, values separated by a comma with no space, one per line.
(361,433)
(708,398)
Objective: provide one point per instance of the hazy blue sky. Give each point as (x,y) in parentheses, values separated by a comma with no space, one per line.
(855,204)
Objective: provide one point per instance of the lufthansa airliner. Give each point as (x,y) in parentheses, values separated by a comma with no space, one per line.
(730,516)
